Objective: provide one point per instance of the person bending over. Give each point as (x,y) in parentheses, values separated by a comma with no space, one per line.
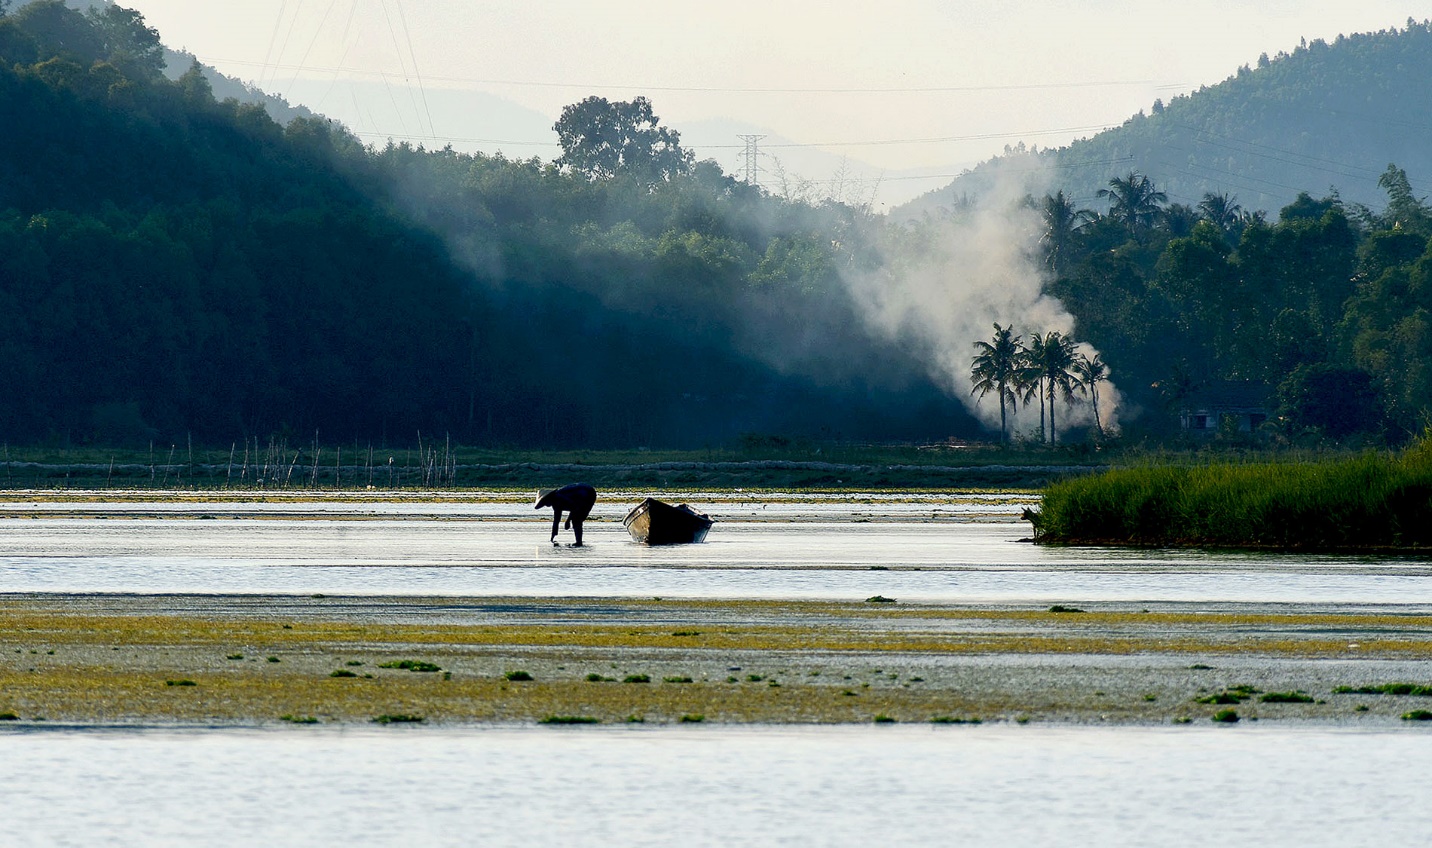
(576,500)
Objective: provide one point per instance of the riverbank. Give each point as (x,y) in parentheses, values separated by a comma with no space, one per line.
(257,660)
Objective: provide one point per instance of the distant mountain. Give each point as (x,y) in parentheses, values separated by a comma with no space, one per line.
(225,87)
(1327,117)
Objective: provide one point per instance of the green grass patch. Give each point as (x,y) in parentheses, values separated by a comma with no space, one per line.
(1226,716)
(1222,698)
(342,672)
(234,657)
(1287,698)
(184,682)
(564,719)
(944,719)
(637,678)
(882,718)
(676,680)
(398,718)
(692,718)
(1062,608)
(879,599)
(517,676)
(1386,689)
(1370,501)
(294,719)
(597,678)
(9,717)
(414,665)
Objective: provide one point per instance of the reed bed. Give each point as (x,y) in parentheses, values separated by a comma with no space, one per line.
(1374,501)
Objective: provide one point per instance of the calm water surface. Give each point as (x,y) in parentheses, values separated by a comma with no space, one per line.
(928,550)
(987,785)
(990,785)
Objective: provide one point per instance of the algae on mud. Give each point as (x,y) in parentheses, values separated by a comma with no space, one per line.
(800,662)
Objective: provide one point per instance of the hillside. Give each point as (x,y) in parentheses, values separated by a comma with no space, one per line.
(173,264)
(1327,117)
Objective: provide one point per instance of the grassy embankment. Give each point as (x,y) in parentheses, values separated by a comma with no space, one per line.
(441,465)
(1370,502)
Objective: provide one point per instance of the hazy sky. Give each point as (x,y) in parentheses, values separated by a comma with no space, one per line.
(901,84)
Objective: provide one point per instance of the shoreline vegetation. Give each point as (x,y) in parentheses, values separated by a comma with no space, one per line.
(762,462)
(756,462)
(1373,502)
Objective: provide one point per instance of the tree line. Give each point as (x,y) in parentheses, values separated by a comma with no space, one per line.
(1324,309)
(1049,367)
(175,264)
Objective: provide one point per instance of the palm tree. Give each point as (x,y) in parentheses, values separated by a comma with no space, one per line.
(1220,210)
(996,368)
(1134,201)
(1061,221)
(1091,372)
(1056,370)
(1031,378)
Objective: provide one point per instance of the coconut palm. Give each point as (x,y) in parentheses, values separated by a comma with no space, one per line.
(1061,221)
(1092,371)
(996,369)
(1056,369)
(1031,379)
(1220,210)
(1134,201)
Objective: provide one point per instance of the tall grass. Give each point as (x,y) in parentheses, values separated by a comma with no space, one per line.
(1374,500)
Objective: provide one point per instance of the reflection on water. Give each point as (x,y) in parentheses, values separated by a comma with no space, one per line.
(946,560)
(990,785)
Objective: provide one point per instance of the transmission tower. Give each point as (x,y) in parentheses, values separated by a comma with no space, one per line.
(753,155)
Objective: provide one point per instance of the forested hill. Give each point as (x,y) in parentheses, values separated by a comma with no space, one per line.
(1328,116)
(176,265)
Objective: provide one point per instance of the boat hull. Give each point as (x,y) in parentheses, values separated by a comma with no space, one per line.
(654,522)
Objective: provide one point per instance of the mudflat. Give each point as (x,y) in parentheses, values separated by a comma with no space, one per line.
(254,660)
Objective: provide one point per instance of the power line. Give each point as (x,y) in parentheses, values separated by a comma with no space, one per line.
(787,144)
(726,89)
(316,33)
(413,55)
(402,64)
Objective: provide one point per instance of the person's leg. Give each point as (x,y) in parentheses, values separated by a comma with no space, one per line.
(556,522)
(577,529)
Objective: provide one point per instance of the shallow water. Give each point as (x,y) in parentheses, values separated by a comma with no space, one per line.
(793,550)
(988,785)
(998,785)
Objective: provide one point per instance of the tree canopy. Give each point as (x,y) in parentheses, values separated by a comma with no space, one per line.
(601,140)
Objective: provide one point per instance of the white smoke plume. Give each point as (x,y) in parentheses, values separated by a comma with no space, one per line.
(943,284)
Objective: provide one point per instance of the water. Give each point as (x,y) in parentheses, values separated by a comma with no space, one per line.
(988,785)
(967,552)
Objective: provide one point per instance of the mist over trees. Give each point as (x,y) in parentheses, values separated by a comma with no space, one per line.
(173,264)
(1325,309)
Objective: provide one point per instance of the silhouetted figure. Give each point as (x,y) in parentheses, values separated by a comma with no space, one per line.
(576,500)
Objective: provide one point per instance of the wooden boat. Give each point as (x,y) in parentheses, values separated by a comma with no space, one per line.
(654,522)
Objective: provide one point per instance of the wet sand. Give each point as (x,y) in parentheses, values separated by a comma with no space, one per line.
(255,660)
